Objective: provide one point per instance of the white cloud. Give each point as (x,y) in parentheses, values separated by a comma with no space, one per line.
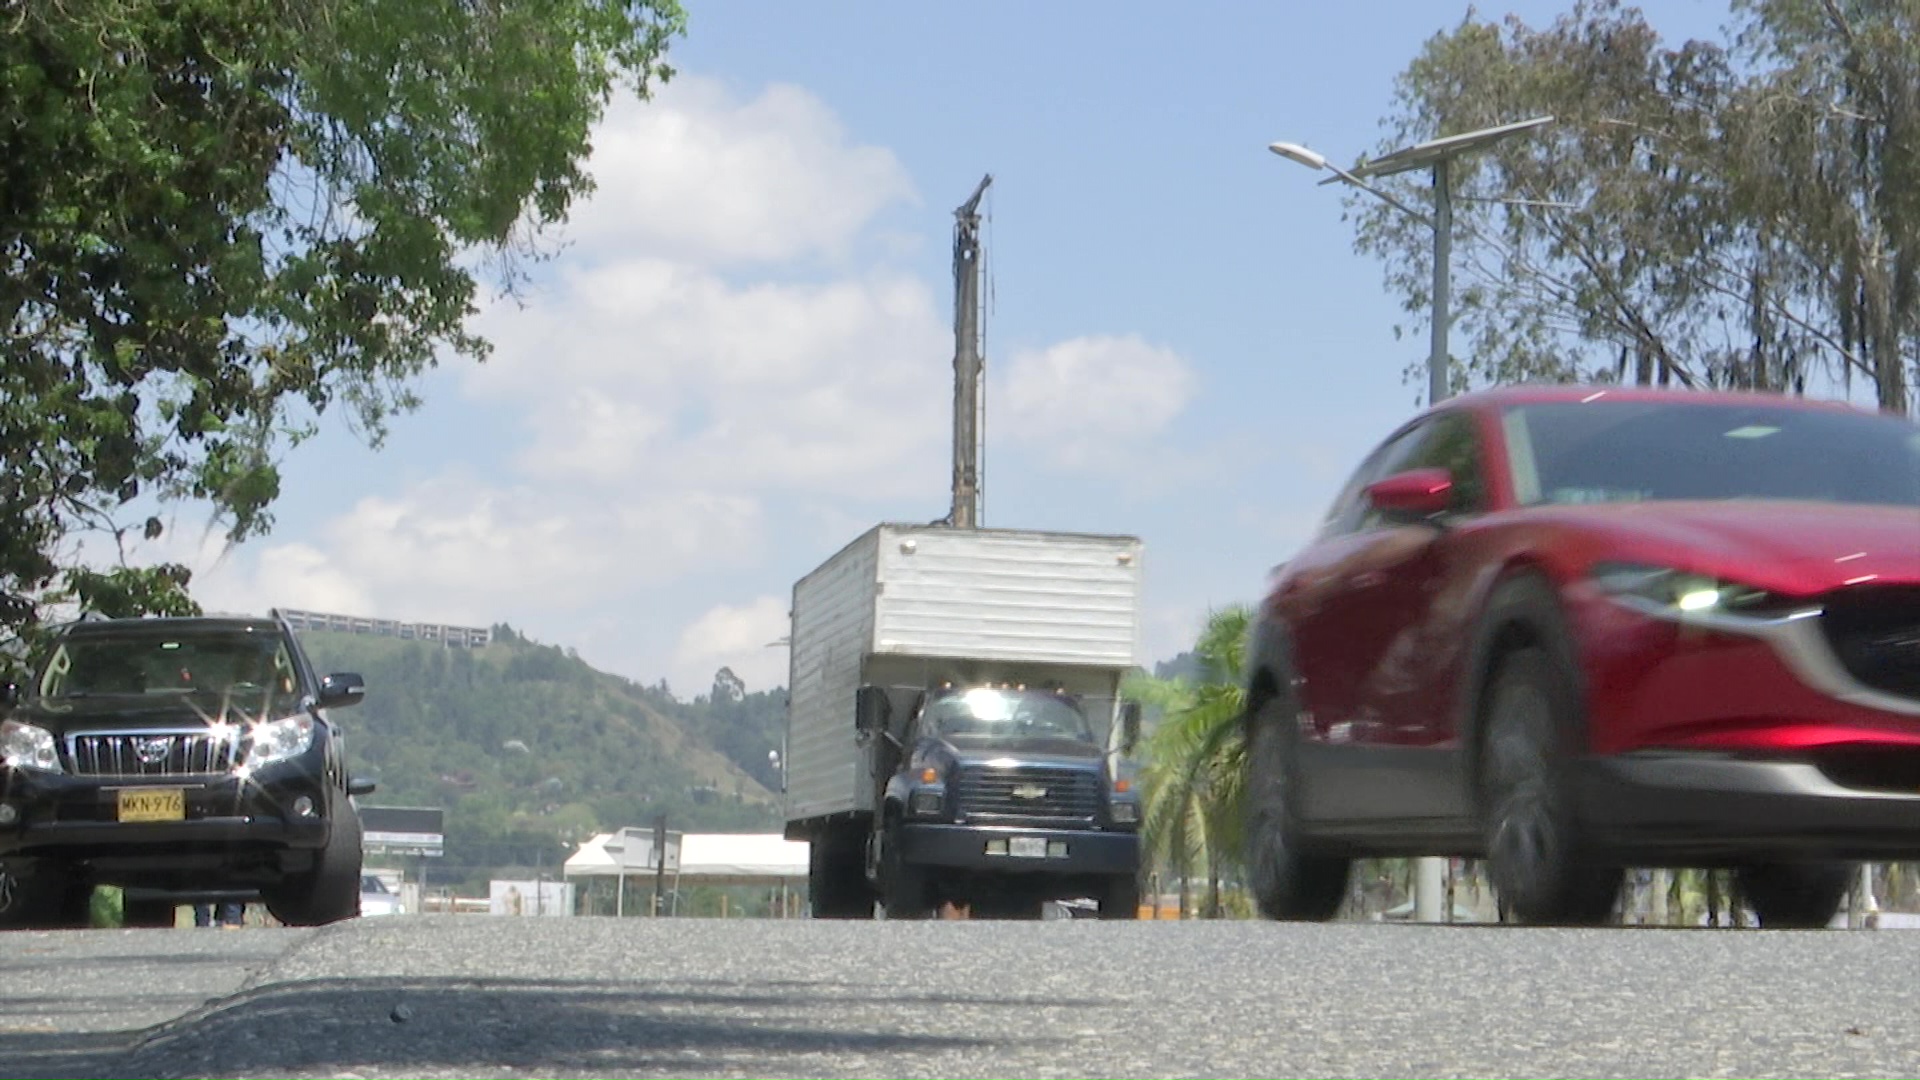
(645,370)
(736,637)
(1087,401)
(698,175)
(722,341)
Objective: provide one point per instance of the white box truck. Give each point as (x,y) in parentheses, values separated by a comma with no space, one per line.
(955,733)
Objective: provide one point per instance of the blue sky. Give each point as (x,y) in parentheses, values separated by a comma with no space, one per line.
(742,355)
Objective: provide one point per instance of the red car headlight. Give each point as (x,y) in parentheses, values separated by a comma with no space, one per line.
(1680,595)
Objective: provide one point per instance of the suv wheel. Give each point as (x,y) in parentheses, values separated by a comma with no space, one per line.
(1794,896)
(1533,841)
(47,899)
(331,890)
(1287,883)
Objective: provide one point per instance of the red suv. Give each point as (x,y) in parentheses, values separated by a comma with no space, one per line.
(1572,630)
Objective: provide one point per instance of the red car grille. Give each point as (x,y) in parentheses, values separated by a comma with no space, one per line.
(1875,633)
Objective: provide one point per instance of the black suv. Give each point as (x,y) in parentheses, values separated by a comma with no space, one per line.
(183,759)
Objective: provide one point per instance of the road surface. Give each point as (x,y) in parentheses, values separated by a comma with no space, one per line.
(473,996)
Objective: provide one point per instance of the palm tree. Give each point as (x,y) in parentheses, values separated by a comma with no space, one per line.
(1195,758)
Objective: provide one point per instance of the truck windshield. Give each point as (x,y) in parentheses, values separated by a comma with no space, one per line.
(1004,713)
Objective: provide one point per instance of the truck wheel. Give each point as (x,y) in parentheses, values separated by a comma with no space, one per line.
(330,891)
(1534,848)
(903,885)
(1794,896)
(1121,898)
(1287,883)
(147,913)
(837,875)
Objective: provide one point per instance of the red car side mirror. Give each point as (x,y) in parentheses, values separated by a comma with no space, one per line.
(1416,493)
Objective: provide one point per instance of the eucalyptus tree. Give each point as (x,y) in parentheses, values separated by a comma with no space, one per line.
(1737,213)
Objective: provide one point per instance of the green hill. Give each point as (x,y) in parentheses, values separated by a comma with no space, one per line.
(528,749)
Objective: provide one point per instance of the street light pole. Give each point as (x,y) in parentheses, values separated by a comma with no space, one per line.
(1429,883)
(1438,154)
(1439,359)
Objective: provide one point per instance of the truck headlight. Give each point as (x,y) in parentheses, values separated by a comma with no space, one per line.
(280,740)
(28,746)
(1126,813)
(926,803)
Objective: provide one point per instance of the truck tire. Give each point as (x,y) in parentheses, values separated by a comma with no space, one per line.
(154,914)
(1121,898)
(904,892)
(330,891)
(837,874)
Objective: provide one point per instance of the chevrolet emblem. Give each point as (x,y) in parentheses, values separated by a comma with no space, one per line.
(1029,791)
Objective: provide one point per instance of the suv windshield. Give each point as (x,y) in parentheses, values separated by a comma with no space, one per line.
(1002,713)
(228,663)
(1634,451)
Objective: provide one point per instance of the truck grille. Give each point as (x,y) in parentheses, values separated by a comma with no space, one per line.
(1875,634)
(1029,792)
(152,753)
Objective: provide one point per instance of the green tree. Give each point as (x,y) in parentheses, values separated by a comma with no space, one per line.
(1711,214)
(221,219)
(1195,759)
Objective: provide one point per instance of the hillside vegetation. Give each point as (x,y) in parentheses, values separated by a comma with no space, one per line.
(528,749)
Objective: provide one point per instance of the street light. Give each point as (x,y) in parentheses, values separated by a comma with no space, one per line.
(1438,155)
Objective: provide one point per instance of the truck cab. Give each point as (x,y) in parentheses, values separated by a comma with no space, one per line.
(1001,796)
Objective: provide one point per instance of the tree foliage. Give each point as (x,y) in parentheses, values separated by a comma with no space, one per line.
(220,219)
(1736,214)
(1195,758)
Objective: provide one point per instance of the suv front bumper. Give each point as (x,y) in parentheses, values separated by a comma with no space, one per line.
(69,817)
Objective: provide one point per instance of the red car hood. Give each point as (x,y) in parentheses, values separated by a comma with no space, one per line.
(1797,548)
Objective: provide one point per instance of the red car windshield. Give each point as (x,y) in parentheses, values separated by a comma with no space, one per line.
(1637,450)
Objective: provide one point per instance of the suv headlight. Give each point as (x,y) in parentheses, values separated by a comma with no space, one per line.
(280,739)
(1680,595)
(28,746)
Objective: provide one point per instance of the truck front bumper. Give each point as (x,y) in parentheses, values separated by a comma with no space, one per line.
(1009,849)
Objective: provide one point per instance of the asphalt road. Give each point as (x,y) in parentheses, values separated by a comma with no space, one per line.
(471,996)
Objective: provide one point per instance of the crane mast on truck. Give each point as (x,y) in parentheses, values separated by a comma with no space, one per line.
(968,364)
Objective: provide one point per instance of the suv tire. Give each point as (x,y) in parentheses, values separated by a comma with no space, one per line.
(330,891)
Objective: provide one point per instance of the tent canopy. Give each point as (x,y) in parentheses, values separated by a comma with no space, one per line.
(710,859)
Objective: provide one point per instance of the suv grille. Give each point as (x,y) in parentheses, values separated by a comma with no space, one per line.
(152,753)
(1031,791)
(1875,634)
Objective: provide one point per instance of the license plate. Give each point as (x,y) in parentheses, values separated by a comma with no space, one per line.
(153,804)
(1027,847)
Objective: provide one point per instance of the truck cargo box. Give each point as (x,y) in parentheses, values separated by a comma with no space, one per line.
(901,593)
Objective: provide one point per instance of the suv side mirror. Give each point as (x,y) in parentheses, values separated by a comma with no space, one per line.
(1413,495)
(341,689)
(360,785)
(1129,726)
(870,711)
